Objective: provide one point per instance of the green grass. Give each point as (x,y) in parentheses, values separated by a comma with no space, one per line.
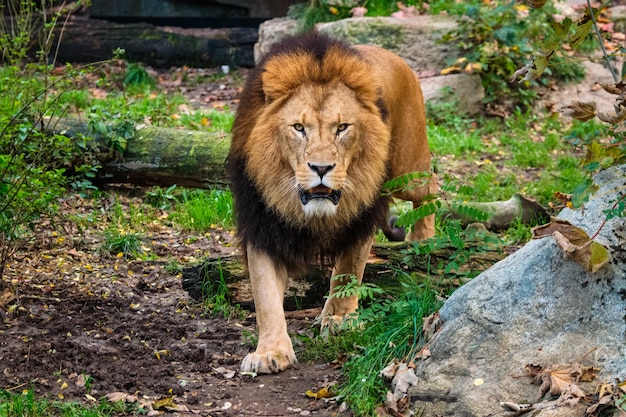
(497,159)
(201,210)
(26,404)
(118,242)
(216,299)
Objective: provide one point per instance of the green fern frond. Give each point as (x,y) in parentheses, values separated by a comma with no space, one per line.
(405,182)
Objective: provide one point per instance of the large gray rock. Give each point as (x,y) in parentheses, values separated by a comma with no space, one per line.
(417,40)
(536,306)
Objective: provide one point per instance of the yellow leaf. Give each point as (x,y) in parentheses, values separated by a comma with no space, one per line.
(165,402)
(450,70)
(322,393)
(473,66)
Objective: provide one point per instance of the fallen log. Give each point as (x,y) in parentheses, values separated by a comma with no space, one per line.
(389,264)
(159,156)
(92,40)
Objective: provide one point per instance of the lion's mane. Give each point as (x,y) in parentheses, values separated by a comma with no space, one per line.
(313,58)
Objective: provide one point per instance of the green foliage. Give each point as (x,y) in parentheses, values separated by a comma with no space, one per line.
(216,298)
(363,290)
(202,210)
(318,11)
(137,77)
(394,332)
(26,404)
(35,165)
(494,38)
(121,243)
(405,182)
(604,145)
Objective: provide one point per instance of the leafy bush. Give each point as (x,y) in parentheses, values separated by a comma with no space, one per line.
(495,37)
(499,37)
(35,164)
(318,11)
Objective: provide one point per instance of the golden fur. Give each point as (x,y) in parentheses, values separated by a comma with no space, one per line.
(321,125)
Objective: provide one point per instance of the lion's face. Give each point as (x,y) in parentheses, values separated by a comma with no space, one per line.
(326,155)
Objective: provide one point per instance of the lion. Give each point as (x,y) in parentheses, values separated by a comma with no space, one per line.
(320,126)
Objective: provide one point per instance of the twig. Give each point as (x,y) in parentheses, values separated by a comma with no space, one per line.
(17,386)
(606,56)
(605,218)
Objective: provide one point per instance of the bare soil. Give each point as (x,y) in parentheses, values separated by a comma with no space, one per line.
(70,313)
(79,324)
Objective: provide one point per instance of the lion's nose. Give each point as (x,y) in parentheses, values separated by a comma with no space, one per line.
(321,170)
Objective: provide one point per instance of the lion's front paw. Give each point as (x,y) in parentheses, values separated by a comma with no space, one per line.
(268,362)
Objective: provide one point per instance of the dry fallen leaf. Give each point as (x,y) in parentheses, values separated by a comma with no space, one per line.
(450,70)
(226,373)
(164,403)
(561,379)
(580,111)
(6,297)
(401,376)
(431,325)
(575,242)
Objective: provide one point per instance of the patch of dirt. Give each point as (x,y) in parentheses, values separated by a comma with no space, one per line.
(80,324)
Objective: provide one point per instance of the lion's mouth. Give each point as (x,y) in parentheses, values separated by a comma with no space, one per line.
(320,191)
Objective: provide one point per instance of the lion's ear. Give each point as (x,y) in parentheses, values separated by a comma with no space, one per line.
(283,73)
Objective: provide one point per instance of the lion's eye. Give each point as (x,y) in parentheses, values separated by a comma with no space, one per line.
(342,127)
(299,127)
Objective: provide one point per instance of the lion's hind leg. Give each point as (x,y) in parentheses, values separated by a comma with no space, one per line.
(425,227)
(274,352)
(348,267)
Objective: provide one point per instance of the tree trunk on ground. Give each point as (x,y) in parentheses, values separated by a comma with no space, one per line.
(87,40)
(160,156)
(388,265)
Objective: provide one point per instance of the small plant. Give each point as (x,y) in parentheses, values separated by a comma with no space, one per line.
(137,77)
(173,267)
(216,299)
(88,379)
(161,198)
(121,243)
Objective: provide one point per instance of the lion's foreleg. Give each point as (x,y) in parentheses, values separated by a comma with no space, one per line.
(348,267)
(274,352)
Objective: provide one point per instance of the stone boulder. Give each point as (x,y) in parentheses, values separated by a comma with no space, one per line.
(417,40)
(535,307)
